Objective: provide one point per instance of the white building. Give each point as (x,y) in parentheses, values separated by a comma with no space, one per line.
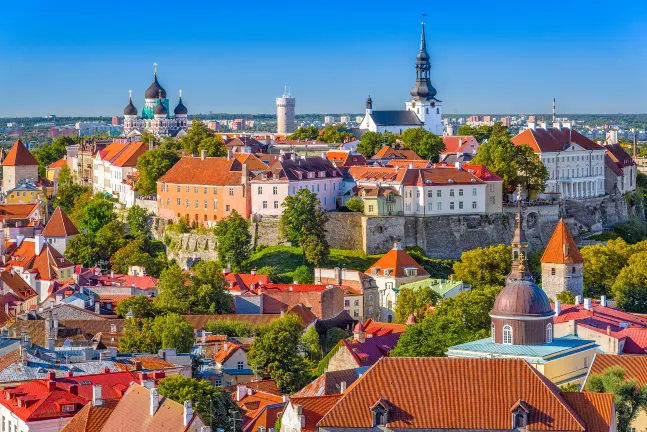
(422,110)
(285,123)
(112,165)
(575,164)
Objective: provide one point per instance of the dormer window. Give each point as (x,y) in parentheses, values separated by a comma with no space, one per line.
(520,412)
(411,271)
(381,411)
(68,408)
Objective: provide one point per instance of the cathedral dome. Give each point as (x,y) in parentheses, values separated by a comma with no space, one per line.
(180,109)
(522,298)
(130,109)
(160,109)
(155,90)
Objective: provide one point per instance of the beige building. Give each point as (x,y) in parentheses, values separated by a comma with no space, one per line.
(18,165)
(353,282)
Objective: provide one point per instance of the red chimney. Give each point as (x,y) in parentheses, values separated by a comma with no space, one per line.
(138,365)
(74,389)
(51,385)
(70,374)
(106,370)
(51,375)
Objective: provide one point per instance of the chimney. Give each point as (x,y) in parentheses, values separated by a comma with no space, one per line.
(229,154)
(245,175)
(188,412)
(338,277)
(603,301)
(70,374)
(587,304)
(51,385)
(150,144)
(138,365)
(457,164)
(342,387)
(96,396)
(38,243)
(252,272)
(155,401)
(578,300)
(204,337)
(6,308)
(241,391)
(74,389)
(609,330)
(203,154)
(286,398)
(558,307)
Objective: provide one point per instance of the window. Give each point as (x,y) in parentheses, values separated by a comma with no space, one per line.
(196,204)
(67,408)
(346,303)
(168,201)
(275,190)
(460,205)
(239,365)
(215,190)
(474,205)
(451,192)
(356,312)
(439,206)
(231,191)
(205,205)
(451,205)
(370,208)
(217,383)
(439,193)
(179,202)
(187,203)
(205,190)
(474,192)
(573,270)
(430,193)
(507,335)
(552,271)
(215,204)
(370,310)
(260,190)
(264,204)
(549,333)
(178,188)
(195,189)
(356,303)
(276,204)
(430,206)
(460,192)
(586,362)
(227,207)
(186,189)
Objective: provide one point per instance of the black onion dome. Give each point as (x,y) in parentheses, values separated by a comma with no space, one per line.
(160,109)
(130,109)
(155,90)
(180,108)
(522,298)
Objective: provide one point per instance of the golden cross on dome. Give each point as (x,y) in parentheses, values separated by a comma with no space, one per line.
(180,93)
(130,93)
(155,68)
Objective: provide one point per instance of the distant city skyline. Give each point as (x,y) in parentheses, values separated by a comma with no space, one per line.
(80,59)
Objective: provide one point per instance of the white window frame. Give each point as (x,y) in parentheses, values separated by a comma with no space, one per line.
(507,334)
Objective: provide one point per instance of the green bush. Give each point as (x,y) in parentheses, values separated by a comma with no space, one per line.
(355,204)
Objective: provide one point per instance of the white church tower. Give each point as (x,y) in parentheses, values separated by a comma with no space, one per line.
(423,95)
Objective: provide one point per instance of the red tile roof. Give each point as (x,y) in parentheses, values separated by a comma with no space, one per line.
(376,328)
(226,352)
(58,164)
(209,172)
(635,340)
(19,156)
(457,393)
(396,260)
(22,290)
(252,161)
(596,409)
(459,144)
(314,408)
(295,287)
(387,152)
(599,317)
(253,405)
(17,211)
(553,139)
(618,155)
(91,418)
(561,248)
(60,225)
(329,383)
(481,172)
(129,155)
(405,163)
(635,366)
(242,281)
(613,166)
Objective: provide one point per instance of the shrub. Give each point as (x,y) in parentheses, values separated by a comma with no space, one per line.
(355,204)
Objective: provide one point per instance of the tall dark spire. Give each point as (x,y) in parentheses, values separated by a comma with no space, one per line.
(423,90)
(519,248)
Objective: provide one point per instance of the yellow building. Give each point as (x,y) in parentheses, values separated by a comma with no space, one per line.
(25,193)
(380,200)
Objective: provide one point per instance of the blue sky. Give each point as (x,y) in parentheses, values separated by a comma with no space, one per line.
(81,58)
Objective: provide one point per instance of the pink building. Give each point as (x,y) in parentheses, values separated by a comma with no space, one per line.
(290,173)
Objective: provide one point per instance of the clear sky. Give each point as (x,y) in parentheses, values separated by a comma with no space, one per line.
(77,57)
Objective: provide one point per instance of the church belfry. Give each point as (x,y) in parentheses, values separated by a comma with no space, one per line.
(423,94)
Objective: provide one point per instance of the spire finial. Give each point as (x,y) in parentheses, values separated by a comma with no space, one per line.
(130,94)
(180,93)
(155,68)
(423,39)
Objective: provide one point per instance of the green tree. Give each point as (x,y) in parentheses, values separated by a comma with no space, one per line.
(484,266)
(628,396)
(133,254)
(65,176)
(277,351)
(204,398)
(335,134)
(315,248)
(426,144)
(82,249)
(109,239)
(305,134)
(532,173)
(173,286)
(333,336)
(234,240)
(566,297)
(499,155)
(232,328)
(67,195)
(355,204)
(431,338)
(137,221)
(370,143)
(200,137)
(49,154)
(214,146)
(311,344)
(270,271)
(207,290)
(151,166)
(630,287)
(414,301)
(481,133)
(97,213)
(602,265)
(141,306)
(632,231)
(173,331)
(472,309)
(303,275)
(139,336)
(569,388)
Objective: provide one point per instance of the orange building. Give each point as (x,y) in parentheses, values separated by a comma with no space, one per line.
(204,189)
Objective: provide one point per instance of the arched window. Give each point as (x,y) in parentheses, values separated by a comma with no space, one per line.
(492,331)
(507,335)
(549,333)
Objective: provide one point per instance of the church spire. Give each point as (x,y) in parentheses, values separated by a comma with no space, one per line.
(519,248)
(423,90)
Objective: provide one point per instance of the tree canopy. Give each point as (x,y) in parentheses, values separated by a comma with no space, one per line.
(303,222)
(234,241)
(148,335)
(483,267)
(425,144)
(199,137)
(481,133)
(137,221)
(151,166)
(370,143)
(414,301)
(308,133)
(95,214)
(141,306)
(49,154)
(630,286)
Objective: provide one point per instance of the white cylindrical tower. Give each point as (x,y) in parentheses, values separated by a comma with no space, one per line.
(285,113)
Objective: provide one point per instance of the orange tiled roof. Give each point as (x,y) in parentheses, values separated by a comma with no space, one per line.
(128,157)
(405,163)
(389,152)
(209,172)
(596,409)
(60,225)
(553,139)
(19,156)
(149,363)
(376,328)
(454,144)
(253,405)
(635,366)
(457,393)
(561,248)
(91,418)
(225,353)
(17,211)
(253,162)
(396,260)
(58,164)
(314,408)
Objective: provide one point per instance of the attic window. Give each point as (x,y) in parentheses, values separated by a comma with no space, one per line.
(68,408)
(520,411)
(381,410)
(411,271)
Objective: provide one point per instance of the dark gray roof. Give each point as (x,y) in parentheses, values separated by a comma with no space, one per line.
(155,90)
(395,118)
(288,167)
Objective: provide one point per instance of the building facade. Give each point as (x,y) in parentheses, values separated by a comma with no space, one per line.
(562,265)
(285,104)
(112,165)
(18,165)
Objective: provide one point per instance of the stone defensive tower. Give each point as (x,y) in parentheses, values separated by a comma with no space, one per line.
(285,113)
(562,265)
